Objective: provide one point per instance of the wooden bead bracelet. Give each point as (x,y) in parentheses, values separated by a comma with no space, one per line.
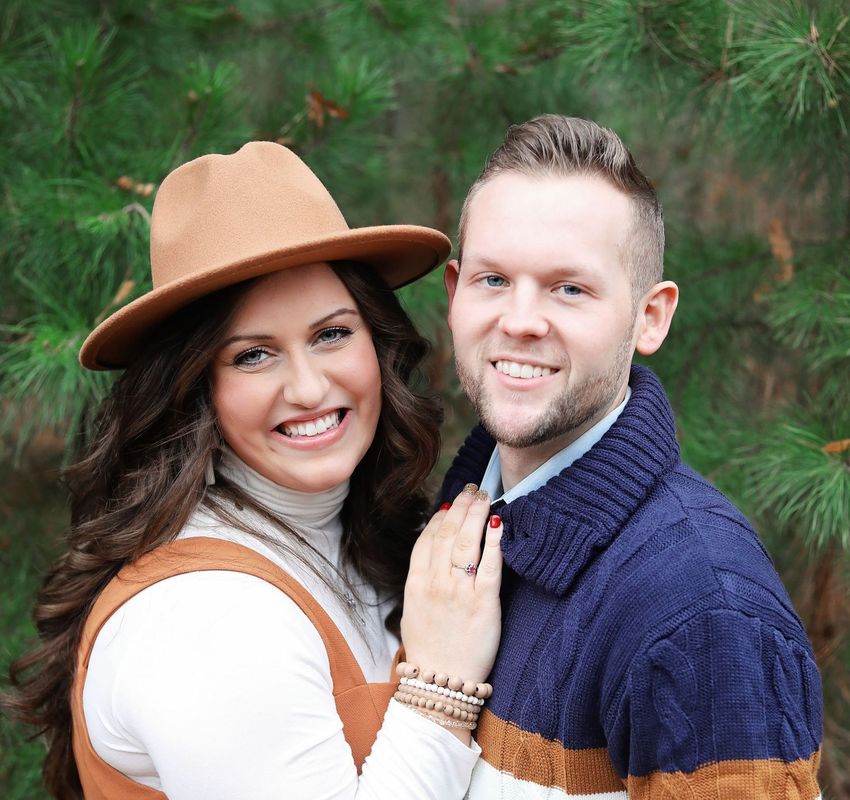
(479,691)
(447,700)
(427,704)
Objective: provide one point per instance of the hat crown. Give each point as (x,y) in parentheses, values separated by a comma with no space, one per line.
(220,220)
(221,210)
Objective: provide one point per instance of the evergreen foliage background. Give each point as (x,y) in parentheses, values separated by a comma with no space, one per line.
(738,110)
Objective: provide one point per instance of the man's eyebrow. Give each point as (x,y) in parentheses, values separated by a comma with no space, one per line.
(482,261)
(253,337)
(556,270)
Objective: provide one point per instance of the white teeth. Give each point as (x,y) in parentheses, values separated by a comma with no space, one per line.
(314,426)
(517,370)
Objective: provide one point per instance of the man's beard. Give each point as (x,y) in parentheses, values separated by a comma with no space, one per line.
(568,411)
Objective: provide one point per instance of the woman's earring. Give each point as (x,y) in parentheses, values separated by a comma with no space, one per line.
(209,471)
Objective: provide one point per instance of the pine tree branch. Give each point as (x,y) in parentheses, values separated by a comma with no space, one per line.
(444,217)
(104,17)
(74,108)
(139,209)
(192,132)
(824,630)
(847,210)
(376,10)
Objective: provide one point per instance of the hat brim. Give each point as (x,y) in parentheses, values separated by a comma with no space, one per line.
(398,253)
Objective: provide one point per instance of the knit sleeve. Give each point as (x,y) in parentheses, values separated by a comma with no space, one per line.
(727,706)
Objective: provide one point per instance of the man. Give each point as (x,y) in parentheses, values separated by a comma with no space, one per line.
(648,649)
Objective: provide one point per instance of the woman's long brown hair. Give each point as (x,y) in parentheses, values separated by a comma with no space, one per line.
(143,476)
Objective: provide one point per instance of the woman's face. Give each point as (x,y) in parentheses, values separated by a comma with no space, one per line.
(296,384)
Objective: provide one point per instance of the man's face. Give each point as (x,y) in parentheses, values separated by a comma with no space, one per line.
(541,311)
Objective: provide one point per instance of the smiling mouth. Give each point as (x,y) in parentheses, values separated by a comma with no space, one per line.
(312,427)
(516,369)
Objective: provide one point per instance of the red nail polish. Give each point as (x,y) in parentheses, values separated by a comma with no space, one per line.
(495,521)
(445,506)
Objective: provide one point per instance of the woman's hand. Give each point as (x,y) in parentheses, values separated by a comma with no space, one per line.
(452,615)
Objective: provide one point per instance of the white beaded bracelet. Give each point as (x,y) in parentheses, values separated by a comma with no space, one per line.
(446,722)
(444,690)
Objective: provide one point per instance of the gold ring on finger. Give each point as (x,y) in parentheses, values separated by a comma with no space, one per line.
(469,569)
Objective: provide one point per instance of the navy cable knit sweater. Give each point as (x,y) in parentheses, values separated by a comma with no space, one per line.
(649,649)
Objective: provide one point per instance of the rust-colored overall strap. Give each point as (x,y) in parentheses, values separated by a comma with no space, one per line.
(199,554)
(361,706)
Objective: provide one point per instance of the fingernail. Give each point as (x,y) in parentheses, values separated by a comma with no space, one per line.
(482,495)
(470,488)
(445,506)
(495,521)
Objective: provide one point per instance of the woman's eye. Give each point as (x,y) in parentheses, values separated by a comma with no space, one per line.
(332,335)
(569,289)
(251,358)
(494,280)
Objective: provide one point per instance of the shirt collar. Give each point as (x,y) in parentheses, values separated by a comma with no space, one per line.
(492,480)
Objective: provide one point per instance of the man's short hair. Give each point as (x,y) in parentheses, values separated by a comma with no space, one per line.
(553,145)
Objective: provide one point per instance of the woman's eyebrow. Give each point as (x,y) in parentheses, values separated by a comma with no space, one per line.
(244,337)
(338,313)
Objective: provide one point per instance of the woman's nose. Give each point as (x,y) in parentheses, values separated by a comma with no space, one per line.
(306,384)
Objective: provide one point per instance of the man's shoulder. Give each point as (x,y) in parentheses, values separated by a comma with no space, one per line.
(698,495)
(724,535)
(704,556)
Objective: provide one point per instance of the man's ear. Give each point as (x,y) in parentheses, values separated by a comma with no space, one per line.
(655,313)
(450,278)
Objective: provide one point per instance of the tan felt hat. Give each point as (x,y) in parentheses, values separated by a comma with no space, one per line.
(219,220)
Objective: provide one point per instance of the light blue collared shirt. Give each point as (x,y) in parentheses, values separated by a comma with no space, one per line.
(492,480)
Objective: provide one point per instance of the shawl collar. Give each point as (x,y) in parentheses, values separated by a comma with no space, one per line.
(553,533)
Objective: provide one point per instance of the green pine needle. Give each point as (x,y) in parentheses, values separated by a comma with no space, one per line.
(793,479)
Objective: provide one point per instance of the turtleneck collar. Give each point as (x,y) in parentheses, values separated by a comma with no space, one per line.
(311,512)
(552,533)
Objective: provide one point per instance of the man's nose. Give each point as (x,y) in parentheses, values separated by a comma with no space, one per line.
(306,383)
(523,316)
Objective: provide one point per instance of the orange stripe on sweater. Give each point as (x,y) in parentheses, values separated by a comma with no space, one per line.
(765,779)
(531,757)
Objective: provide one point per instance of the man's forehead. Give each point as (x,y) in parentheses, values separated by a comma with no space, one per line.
(518,212)
(547,183)
(548,198)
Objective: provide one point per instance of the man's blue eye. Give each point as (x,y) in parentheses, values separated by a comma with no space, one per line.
(494,280)
(571,290)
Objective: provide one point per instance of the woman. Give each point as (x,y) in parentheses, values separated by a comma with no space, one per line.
(224,621)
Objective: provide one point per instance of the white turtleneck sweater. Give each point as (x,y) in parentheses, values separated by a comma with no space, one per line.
(216,685)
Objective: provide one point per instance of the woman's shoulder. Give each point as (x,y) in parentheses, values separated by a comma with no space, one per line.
(191,643)
(187,619)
